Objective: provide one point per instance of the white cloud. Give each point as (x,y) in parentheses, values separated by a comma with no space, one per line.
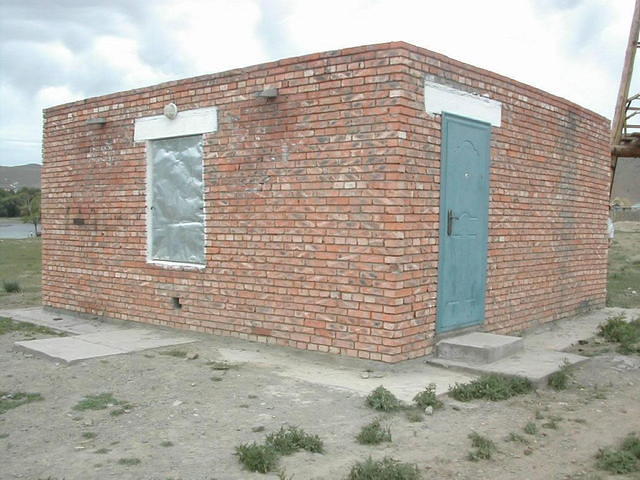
(54,52)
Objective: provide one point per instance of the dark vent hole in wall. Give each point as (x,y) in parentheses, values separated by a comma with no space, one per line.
(175,301)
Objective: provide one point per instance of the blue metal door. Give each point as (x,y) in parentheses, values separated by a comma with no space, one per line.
(464,206)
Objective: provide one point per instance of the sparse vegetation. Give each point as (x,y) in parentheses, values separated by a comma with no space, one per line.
(626,334)
(374,433)
(530,428)
(385,469)
(129,461)
(98,402)
(484,447)
(89,435)
(8,325)
(491,387)
(257,458)
(290,439)
(383,400)
(11,286)
(20,258)
(102,451)
(624,459)
(11,400)
(560,380)
(516,437)
(166,443)
(263,458)
(428,398)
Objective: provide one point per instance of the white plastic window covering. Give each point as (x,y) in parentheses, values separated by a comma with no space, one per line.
(176,203)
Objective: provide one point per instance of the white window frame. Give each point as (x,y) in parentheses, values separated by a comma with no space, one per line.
(187,123)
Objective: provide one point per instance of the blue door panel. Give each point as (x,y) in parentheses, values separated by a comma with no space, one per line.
(464,206)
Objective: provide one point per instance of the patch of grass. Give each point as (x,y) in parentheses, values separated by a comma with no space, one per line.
(11,286)
(8,325)
(516,437)
(552,424)
(4,435)
(383,400)
(484,447)
(626,334)
(177,353)
(98,402)
(166,443)
(385,469)
(427,398)
(257,458)
(21,256)
(560,380)
(291,439)
(530,428)
(129,461)
(414,415)
(624,274)
(492,387)
(624,459)
(102,451)
(374,433)
(11,400)
(89,435)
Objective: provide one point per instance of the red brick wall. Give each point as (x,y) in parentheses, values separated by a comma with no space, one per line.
(322,205)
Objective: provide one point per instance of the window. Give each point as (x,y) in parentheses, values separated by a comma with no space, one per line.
(175,200)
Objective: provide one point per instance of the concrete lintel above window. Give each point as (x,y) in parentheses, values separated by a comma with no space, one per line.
(440,98)
(189,122)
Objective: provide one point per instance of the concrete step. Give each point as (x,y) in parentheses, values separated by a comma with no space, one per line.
(534,364)
(478,348)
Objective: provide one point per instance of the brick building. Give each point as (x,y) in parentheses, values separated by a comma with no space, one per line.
(360,202)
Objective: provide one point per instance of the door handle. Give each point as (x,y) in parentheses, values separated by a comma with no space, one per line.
(450,219)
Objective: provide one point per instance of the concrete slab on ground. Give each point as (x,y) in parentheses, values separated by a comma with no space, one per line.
(404,380)
(540,358)
(478,347)
(534,364)
(90,337)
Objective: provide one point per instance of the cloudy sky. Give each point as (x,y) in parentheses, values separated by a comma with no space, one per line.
(56,51)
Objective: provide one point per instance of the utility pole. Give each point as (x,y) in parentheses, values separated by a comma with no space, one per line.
(624,141)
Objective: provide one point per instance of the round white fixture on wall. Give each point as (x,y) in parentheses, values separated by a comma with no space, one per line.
(170,111)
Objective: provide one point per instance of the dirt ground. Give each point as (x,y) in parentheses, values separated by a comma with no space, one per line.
(205,413)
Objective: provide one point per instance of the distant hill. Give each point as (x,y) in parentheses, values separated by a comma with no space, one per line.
(626,185)
(20,176)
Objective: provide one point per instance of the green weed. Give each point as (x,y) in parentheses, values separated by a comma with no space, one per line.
(484,447)
(89,435)
(383,400)
(530,428)
(491,387)
(166,443)
(625,334)
(257,458)
(11,286)
(129,461)
(291,439)
(624,459)
(98,402)
(385,469)
(374,433)
(560,380)
(427,398)
(516,437)
(11,400)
